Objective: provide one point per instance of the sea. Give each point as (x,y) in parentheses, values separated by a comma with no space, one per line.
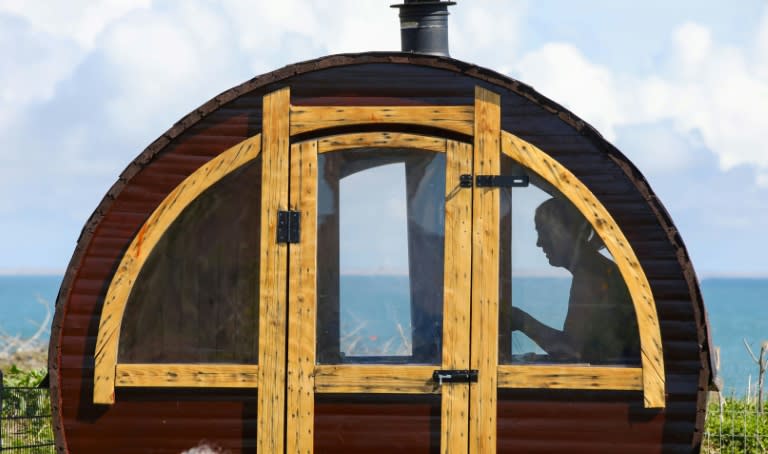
(737,310)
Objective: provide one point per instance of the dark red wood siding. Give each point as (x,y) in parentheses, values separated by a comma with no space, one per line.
(530,421)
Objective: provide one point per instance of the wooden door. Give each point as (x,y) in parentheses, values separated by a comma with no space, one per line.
(379,294)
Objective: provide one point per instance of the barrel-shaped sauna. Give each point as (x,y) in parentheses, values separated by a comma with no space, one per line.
(378,252)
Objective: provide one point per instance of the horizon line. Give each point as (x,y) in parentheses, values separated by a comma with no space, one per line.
(58,272)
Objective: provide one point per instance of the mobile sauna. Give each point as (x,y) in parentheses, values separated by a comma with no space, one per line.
(380,252)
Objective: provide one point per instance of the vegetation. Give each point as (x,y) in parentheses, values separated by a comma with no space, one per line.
(736,426)
(26,411)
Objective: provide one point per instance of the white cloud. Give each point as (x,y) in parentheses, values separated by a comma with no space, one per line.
(708,90)
(482,33)
(86,84)
(561,72)
(78,20)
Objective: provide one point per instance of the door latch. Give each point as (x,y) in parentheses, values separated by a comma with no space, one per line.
(454,376)
(501,181)
(494,181)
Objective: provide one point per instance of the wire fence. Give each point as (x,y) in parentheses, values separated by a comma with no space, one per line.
(25,421)
(734,425)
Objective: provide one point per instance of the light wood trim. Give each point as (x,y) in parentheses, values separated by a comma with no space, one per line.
(605,226)
(452,118)
(457,293)
(187,375)
(302,303)
(273,274)
(571,377)
(375,379)
(140,248)
(485,276)
(381,140)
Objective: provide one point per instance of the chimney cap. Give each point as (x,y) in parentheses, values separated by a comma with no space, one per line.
(423,2)
(424,26)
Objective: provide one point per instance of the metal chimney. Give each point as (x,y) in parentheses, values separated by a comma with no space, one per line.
(424,26)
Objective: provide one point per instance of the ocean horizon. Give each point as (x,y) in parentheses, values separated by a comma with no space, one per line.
(737,311)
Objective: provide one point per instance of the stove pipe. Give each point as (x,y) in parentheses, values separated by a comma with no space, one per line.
(424,26)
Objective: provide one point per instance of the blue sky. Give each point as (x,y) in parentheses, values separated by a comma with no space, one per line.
(680,87)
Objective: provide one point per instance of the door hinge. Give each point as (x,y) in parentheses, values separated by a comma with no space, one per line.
(454,376)
(288,226)
(501,181)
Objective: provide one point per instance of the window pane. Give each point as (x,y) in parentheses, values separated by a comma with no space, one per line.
(196,298)
(380,256)
(562,296)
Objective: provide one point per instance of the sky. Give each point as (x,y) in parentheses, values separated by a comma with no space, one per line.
(680,87)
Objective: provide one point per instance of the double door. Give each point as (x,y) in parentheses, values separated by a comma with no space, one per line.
(386,256)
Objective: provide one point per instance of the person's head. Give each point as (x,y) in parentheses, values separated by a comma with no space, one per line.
(563,231)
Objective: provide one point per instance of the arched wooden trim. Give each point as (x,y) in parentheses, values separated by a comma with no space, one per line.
(451,118)
(605,226)
(141,246)
(381,139)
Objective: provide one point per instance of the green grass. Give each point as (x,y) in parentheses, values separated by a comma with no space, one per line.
(739,428)
(26,414)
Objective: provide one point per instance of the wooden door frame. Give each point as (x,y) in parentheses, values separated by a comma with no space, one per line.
(281,122)
(305,377)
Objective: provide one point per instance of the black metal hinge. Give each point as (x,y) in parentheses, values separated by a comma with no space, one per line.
(454,376)
(494,181)
(501,181)
(288,226)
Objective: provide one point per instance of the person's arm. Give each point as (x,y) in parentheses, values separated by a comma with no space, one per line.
(555,342)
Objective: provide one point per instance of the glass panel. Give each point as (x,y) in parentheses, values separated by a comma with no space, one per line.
(562,296)
(380,256)
(196,298)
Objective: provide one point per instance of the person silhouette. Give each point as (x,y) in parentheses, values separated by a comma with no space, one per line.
(600,324)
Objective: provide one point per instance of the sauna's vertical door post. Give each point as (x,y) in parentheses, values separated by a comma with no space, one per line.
(485,276)
(273,275)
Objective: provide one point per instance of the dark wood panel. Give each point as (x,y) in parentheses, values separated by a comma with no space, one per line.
(377,424)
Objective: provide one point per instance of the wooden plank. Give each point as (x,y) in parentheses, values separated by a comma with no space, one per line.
(452,118)
(605,226)
(457,292)
(381,140)
(485,276)
(187,375)
(302,302)
(273,274)
(381,379)
(571,377)
(140,248)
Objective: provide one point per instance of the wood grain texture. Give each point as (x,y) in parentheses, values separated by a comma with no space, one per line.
(457,294)
(302,303)
(381,140)
(375,379)
(187,375)
(652,359)
(452,118)
(273,274)
(485,276)
(140,248)
(571,377)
